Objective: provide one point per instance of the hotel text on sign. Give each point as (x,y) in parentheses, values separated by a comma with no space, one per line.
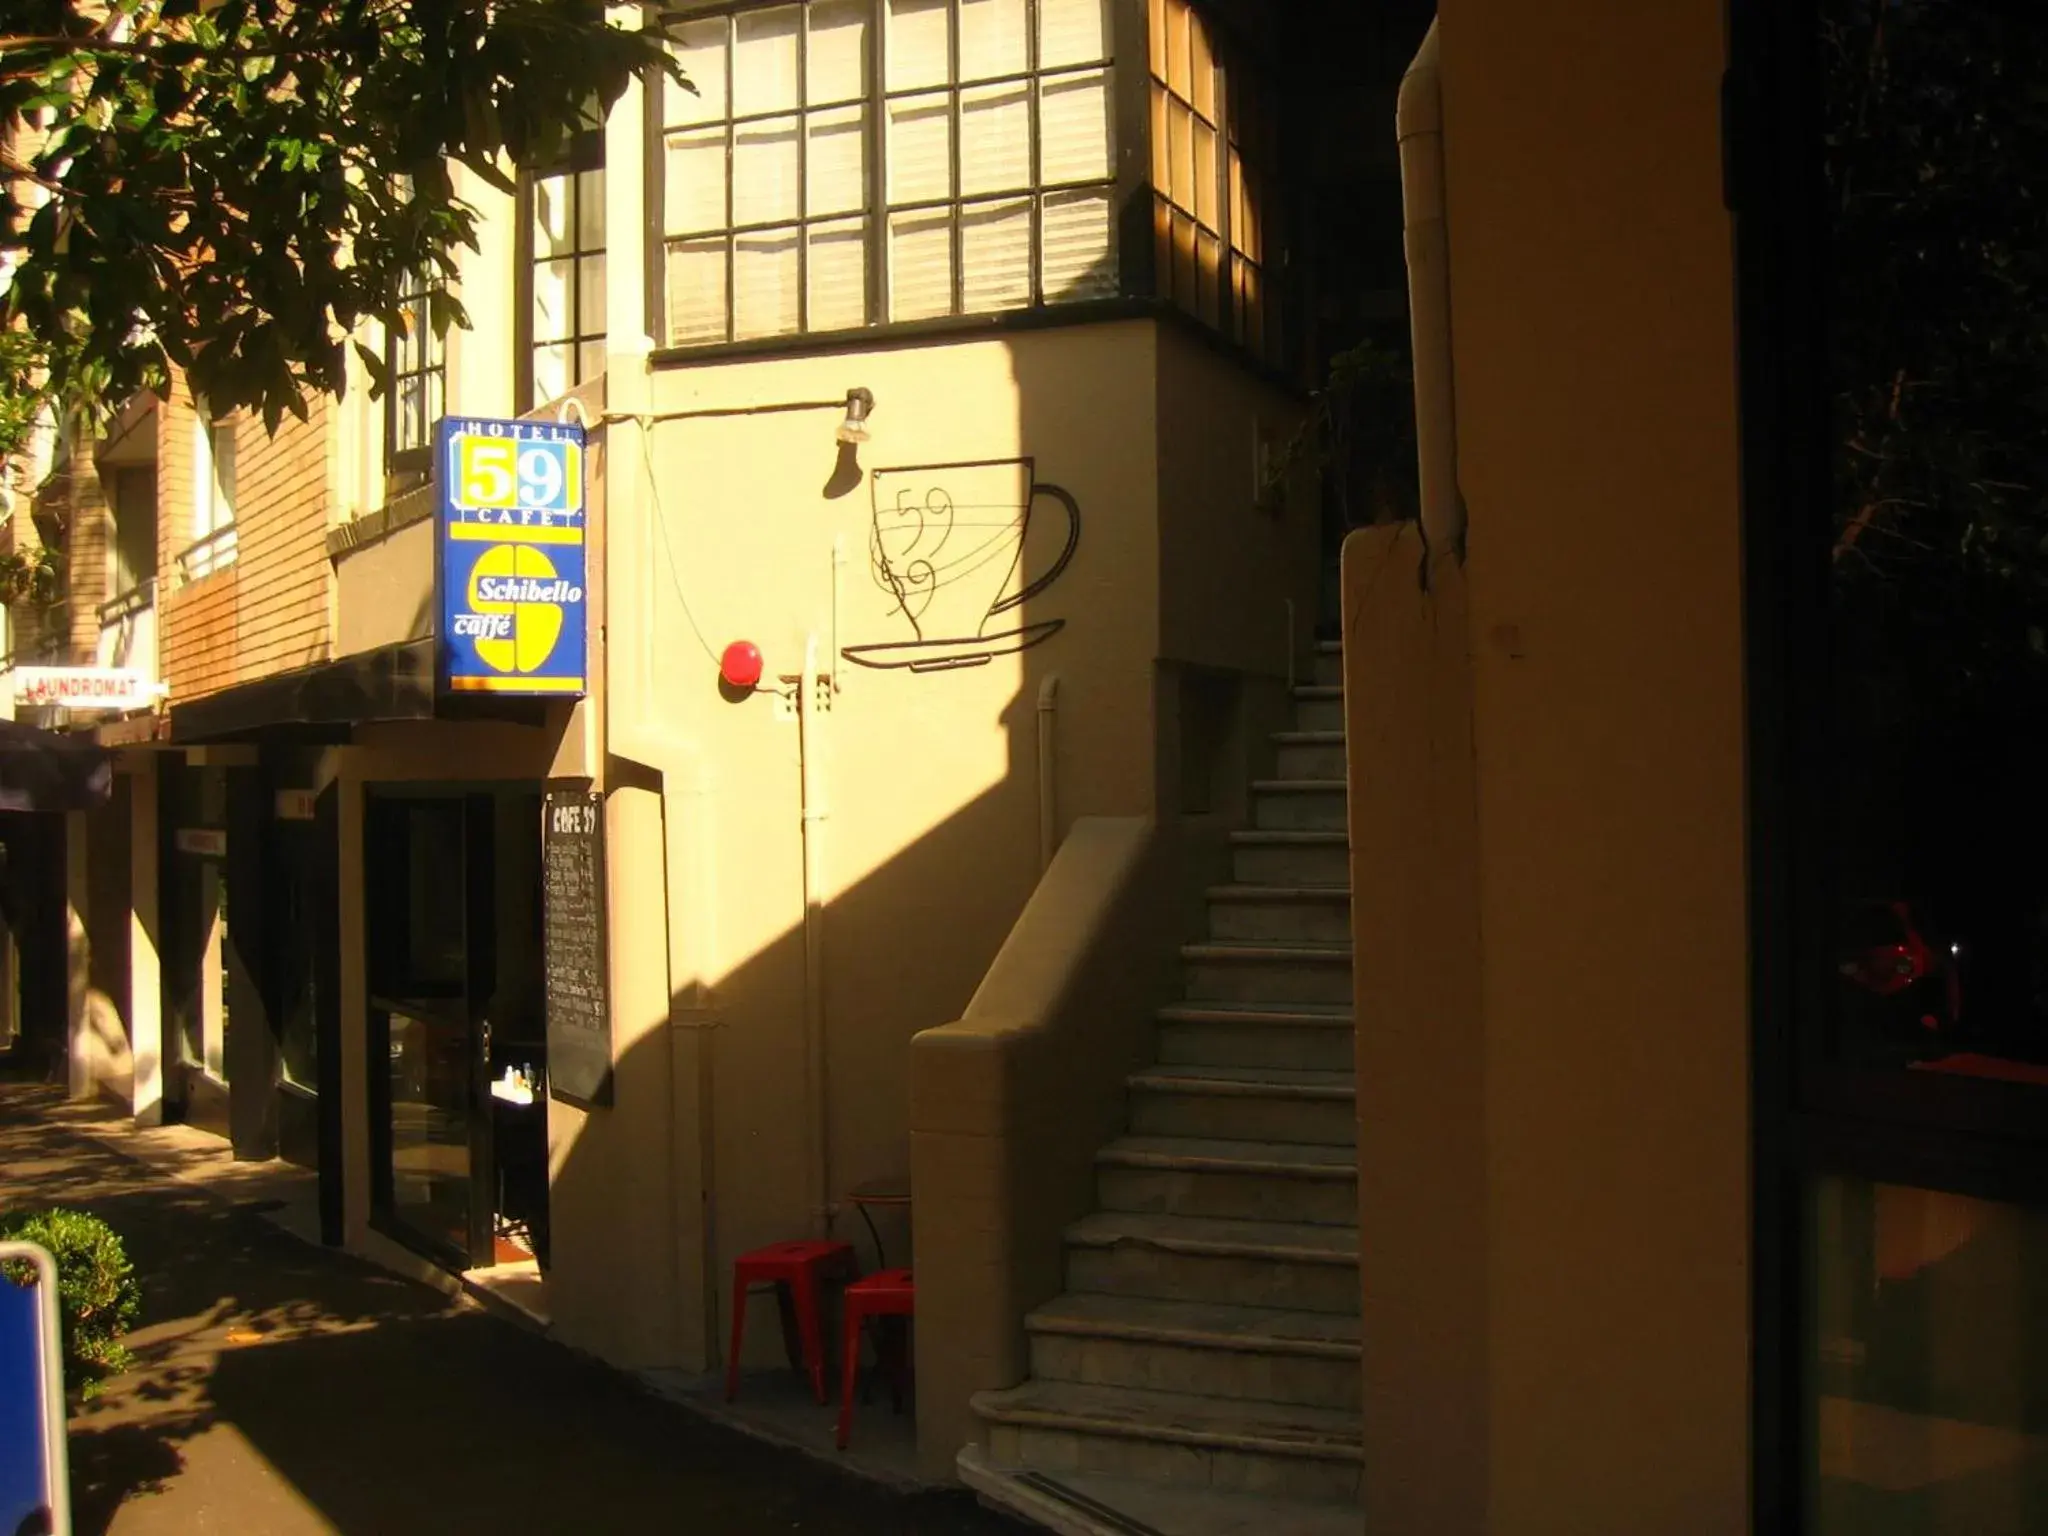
(513,562)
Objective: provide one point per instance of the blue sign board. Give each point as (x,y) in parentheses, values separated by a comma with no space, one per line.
(512,558)
(22,1459)
(35,1490)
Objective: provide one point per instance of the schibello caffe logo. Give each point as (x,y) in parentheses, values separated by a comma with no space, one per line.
(516,600)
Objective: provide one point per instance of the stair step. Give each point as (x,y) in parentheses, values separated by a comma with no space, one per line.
(1092,1504)
(1267,973)
(1309,754)
(1294,1182)
(1245,1104)
(1290,1266)
(1314,914)
(1302,1037)
(1319,707)
(1299,805)
(1329,663)
(1175,1438)
(1212,1349)
(1290,858)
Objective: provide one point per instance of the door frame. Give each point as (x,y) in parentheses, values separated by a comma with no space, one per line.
(390,990)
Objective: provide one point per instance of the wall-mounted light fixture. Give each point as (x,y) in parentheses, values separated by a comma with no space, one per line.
(855,428)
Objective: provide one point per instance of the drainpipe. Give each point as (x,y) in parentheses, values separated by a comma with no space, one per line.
(1048,783)
(817,1105)
(1419,125)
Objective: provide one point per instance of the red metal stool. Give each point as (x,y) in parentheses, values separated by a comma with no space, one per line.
(886,1293)
(796,1270)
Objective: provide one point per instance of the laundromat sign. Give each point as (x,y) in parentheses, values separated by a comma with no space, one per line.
(513,564)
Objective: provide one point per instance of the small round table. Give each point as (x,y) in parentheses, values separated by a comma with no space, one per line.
(890,1190)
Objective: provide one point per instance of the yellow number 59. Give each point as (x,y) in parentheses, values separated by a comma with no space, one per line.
(487,464)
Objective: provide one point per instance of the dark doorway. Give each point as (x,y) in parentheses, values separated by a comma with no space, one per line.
(451,884)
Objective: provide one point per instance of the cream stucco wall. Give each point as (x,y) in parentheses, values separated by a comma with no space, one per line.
(925,792)
(925,785)
(1548,820)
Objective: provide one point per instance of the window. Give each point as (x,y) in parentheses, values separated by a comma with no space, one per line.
(418,370)
(850,162)
(213,496)
(1212,172)
(134,552)
(563,301)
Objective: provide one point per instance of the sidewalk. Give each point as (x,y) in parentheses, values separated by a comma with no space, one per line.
(284,1388)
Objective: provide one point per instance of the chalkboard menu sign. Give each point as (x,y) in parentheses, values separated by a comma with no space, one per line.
(579,1009)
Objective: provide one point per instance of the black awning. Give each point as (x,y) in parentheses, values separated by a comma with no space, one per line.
(393,682)
(47,771)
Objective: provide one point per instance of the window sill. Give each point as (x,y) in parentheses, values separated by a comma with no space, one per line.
(139,598)
(401,511)
(917,333)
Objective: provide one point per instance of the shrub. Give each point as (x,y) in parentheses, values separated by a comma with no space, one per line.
(98,1297)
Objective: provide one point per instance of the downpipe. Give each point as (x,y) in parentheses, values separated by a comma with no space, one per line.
(817,1100)
(1048,773)
(1419,126)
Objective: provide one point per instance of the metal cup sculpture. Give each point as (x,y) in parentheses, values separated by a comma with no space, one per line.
(949,546)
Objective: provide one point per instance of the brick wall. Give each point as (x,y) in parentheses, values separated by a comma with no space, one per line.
(270,610)
(196,634)
(287,581)
(91,531)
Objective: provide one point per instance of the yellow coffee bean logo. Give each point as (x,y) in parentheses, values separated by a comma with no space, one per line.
(518,580)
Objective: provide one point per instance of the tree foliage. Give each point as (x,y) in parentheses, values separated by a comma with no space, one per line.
(1937,121)
(232,187)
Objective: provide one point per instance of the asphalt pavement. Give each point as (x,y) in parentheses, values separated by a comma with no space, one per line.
(283,1389)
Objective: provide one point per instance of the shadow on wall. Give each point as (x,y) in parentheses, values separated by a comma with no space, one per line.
(993,566)
(731,1081)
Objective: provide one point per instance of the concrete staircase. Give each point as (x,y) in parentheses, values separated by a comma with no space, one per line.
(1201,1374)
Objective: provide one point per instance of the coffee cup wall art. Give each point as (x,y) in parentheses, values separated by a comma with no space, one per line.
(957,550)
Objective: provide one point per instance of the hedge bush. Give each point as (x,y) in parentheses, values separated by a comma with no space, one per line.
(98,1296)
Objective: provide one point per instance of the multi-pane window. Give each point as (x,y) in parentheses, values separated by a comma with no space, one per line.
(213,495)
(564,318)
(1213,157)
(850,162)
(418,371)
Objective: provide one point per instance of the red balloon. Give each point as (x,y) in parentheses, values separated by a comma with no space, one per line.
(740,666)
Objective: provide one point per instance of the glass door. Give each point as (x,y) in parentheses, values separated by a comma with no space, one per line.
(431,937)
(1895,296)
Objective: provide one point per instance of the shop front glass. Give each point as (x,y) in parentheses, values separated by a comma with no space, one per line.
(1923,1037)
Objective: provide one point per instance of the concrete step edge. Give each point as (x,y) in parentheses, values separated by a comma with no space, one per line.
(1027,1407)
(1050,1321)
(1034,1497)
(1096,1504)
(1194,1083)
(1281,1017)
(1119,1154)
(1104,1231)
(1262,954)
(1286,837)
(1298,786)
(1279,894)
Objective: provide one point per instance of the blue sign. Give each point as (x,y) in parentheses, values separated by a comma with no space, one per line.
(513,562)
(35,1490)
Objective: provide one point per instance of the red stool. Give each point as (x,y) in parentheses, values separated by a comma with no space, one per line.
(795,1270)
(886,1293)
